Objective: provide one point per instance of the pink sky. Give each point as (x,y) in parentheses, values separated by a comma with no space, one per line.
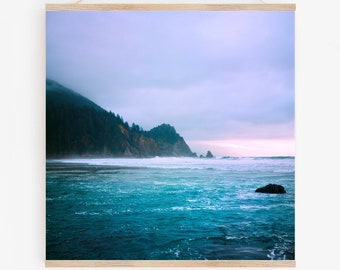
(244,147)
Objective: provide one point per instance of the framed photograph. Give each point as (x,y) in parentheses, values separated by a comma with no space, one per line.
(170,135)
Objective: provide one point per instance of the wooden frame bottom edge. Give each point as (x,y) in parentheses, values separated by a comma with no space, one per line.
(170,263)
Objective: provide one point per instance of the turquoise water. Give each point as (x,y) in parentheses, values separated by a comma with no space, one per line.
(169,208)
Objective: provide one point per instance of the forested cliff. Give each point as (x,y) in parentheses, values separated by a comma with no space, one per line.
(77,127)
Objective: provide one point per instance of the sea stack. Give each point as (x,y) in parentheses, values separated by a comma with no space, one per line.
(209,155)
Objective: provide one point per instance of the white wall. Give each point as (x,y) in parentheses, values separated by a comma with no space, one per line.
(22,82)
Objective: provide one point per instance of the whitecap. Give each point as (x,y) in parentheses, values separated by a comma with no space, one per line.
(177,208)
(256,207)
(81,213)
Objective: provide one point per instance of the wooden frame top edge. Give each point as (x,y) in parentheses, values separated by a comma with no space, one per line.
(169,7)
(170,263)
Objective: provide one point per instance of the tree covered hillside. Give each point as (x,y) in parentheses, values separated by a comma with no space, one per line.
(76,126)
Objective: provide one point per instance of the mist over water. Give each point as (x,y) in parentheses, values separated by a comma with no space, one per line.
(169,208)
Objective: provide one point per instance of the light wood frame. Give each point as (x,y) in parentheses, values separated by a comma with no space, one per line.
(171,263)
(212,7)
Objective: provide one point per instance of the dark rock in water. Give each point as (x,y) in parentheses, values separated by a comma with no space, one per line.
(271,188)
(209,155)
(201,156)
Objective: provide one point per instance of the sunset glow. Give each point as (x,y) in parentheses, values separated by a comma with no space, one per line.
(246,148)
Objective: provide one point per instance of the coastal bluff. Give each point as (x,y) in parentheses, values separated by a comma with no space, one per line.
(77,127)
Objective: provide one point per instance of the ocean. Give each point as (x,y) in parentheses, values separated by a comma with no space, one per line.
(169,209)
